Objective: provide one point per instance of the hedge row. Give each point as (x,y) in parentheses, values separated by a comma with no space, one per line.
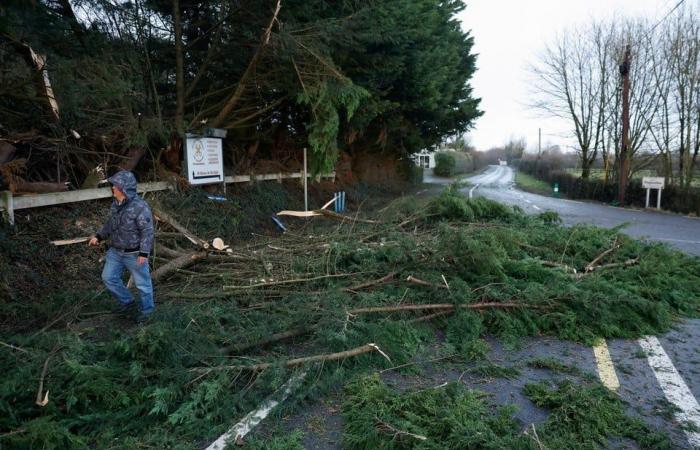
(673,197)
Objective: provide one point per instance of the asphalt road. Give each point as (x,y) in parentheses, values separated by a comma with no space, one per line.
(497,183)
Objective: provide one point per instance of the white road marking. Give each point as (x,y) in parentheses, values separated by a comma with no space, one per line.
(606,369)
(253,418)
(677,240)
(675,389)
(536,207)
(471,191)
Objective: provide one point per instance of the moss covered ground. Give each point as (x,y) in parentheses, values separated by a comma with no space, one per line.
(449,265)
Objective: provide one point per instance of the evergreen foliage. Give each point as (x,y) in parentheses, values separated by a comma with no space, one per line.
(453,416)
(359,76)
(166,385)
(444,164)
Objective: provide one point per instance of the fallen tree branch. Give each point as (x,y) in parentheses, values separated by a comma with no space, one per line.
(294,332)
(79,240)
(300,361)
(178,263)
(395,432)
(418,281)
(376,282)
(326,213)
(170,220)
(566,267)
(629,262)
(41,398)
(591,266)
(449,306)
(295,281)
(13,347)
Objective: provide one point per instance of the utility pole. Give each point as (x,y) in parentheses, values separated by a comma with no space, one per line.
(539,143)
(624,151)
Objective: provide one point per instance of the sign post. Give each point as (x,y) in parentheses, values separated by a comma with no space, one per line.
(650,183)
(205,162)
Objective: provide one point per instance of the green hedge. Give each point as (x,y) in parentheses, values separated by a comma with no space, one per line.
(673,198)
(444,164)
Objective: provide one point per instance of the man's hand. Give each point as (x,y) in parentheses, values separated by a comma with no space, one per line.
(141,259)
(94,242)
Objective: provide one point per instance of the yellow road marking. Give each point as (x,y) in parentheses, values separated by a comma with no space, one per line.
(606,369)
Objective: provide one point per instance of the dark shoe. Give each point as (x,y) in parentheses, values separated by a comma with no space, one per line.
(123,308)
(143,318)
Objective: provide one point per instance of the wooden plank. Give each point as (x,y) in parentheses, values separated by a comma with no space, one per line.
(237,179)
(10,203)
(71,241)
(57,198)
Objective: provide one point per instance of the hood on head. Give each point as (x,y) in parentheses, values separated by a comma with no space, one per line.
(125,181)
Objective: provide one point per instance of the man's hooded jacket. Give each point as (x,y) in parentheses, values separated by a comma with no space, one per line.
(130,224)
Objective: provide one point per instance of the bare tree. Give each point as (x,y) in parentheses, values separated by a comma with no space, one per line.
(568,83)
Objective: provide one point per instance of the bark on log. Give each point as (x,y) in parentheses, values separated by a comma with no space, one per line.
(178,263)
(167,218)
(299,361)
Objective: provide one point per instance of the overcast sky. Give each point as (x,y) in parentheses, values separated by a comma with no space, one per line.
(508,35)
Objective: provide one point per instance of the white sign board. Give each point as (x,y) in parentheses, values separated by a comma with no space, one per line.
(205,162)
(653,182)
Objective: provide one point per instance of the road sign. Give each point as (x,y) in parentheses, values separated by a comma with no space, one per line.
(653,182)
(205,162)
(650,183)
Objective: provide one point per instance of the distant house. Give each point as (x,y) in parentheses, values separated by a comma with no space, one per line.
(424,158)
(502,162)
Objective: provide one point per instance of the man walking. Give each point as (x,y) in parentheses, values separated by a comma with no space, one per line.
(130,230)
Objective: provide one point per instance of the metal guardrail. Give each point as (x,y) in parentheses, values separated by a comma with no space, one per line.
(10,203)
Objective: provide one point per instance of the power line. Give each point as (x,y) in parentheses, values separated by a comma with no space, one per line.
(666,16)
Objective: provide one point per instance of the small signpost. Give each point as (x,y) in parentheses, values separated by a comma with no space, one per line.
(650,183)
(205,162)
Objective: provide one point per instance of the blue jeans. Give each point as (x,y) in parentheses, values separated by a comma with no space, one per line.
(116,262)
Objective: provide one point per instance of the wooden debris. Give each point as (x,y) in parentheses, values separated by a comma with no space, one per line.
(178,263)
(418,281)
(449,306)
(591,266)
(326,213)
(42,399)
(294,281)
(78,240)
(396,434)
(167,218)
(300,361)
(376,282)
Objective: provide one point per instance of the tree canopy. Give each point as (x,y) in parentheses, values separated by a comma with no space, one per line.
(355,75)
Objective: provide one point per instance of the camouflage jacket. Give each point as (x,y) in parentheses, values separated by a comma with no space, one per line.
(130,223)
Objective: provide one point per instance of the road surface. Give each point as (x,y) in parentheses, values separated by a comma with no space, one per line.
(497,183)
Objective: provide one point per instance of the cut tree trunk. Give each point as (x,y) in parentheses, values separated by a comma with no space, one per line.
(177,263)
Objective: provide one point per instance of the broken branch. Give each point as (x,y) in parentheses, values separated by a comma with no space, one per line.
(448,306)
(300,361)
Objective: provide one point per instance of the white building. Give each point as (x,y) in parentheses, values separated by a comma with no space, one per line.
(424,158)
